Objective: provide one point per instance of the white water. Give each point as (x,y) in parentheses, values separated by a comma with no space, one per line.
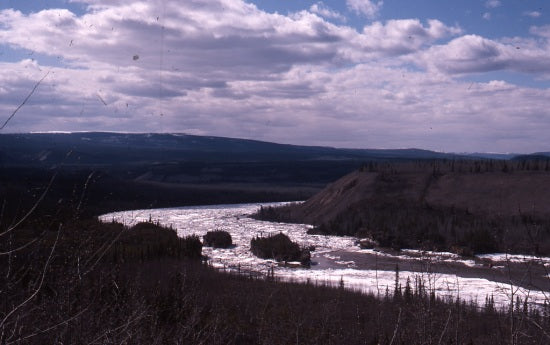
(198,220)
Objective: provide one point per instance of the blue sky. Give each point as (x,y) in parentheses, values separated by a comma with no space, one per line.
(28,6)
(507,18)
(471,75)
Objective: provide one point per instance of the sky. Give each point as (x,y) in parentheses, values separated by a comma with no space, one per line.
(444,75)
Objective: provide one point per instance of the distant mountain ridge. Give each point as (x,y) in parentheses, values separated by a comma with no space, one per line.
(104,148)
(115,148)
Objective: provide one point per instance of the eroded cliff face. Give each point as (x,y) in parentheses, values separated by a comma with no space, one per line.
(337,196)
(488,193)
(466,212)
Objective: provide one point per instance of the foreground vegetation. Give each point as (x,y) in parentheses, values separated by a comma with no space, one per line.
(93,283)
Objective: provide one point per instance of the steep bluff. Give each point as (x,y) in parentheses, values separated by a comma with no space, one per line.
(479,211)
(491,193)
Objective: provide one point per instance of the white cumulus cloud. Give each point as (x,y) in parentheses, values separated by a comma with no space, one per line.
(532,14)
(493,3)
(368,8)
(542,31)
(323,10)
(403,36)
(474,54)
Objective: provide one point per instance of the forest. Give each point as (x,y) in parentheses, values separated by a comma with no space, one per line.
(67,278)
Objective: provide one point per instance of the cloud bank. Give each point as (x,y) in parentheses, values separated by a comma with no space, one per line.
(225,67)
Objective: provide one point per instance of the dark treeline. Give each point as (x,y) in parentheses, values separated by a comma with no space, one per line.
(439,166)
(405,225)
(94,192)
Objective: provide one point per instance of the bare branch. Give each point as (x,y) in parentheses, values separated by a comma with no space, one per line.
(84,190)
(49,328)
(39,285)
(101,252)
(396,327)
(19,248)
(42,196)
(445,328)
(24,101)
(131,319)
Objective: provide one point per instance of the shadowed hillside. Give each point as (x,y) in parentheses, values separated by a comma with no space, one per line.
(104,149)
(165,160)
(464,206)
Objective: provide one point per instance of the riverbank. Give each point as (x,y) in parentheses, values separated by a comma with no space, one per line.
(530,273)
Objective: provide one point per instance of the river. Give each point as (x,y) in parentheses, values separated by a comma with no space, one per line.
(339,260)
